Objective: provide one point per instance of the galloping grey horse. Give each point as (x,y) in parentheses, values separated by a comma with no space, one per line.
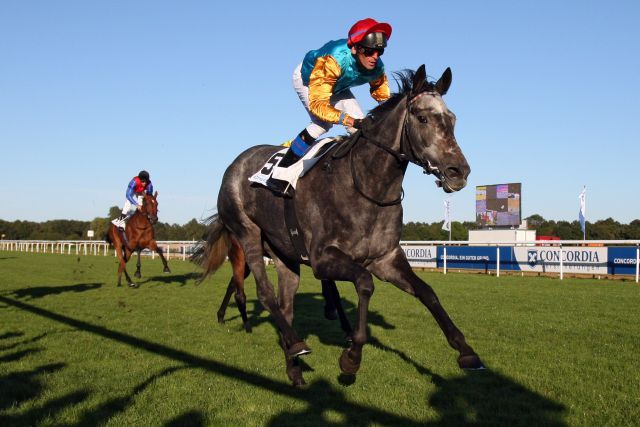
(349,209)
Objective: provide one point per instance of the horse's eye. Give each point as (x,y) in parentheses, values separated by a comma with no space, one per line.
(422,119)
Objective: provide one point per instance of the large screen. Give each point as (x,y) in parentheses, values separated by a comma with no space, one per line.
(498,205)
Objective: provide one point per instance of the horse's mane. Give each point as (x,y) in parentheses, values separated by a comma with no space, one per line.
(404,79)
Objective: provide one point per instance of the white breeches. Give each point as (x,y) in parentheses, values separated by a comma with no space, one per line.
(343,101)
(128,206)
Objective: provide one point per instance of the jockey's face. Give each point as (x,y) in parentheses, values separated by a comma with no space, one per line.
(367,58)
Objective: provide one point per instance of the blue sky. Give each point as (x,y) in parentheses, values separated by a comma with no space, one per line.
(546,93)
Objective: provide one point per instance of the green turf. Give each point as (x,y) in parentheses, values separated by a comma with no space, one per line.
(77,350)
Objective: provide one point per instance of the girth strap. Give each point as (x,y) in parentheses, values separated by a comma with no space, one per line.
(293,227)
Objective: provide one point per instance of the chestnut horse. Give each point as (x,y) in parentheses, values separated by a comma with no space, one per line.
(332,309)
(137,236)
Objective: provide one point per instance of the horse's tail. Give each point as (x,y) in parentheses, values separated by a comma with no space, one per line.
(211,253)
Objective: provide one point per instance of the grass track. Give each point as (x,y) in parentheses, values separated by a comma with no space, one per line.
(77,350)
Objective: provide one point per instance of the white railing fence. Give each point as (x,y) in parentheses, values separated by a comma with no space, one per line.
(595,257)
(171,249)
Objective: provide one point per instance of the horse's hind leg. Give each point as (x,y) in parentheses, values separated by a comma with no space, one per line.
(253,251)
(288,282)
(395,268)
(330,311)
(241,300)
(137,274)
(240,273)
(332,298)
(231,287)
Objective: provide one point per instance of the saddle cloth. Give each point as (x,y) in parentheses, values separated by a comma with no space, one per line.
(296,170)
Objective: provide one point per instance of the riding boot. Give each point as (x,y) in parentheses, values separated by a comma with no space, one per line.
(119,221)
(299,146)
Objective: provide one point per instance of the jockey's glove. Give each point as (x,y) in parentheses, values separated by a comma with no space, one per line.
(357,123)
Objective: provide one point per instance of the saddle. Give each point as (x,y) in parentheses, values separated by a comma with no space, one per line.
(297,170)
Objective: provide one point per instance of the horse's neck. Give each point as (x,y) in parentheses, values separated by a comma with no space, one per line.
(139,220)
(383,167)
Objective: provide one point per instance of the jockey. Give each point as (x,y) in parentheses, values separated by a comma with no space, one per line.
(137,187)
(322,82)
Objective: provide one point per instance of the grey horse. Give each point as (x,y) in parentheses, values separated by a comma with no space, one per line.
(350,214)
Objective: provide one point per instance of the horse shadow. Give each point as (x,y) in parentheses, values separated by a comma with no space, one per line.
(35,292)
(479,397)
(309,318)
(474,398)
(180,279)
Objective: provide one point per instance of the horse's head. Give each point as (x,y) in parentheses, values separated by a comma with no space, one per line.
(150,207)
(428,138)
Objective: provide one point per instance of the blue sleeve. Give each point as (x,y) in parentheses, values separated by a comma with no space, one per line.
(130,188)
(150,188)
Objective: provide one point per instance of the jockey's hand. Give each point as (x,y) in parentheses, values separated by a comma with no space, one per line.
(139,207)
(357,123)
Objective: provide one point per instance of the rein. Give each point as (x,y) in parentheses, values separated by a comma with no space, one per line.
(403,157)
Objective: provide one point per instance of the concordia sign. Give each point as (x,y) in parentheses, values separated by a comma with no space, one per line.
(580,260)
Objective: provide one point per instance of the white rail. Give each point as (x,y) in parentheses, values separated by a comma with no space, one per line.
(181,249)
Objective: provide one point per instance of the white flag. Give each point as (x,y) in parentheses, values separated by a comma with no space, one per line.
(583,204)
(447,216)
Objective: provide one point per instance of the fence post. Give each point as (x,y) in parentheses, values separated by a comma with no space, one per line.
(561,264)
(445,259)
(497,261)
(637,262)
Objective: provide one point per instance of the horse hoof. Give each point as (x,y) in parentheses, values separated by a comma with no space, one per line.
(137,275)
(133,285)
(166,270)
(330,313)
(348,366)
(298,349)
(299,382)
(470,362)
(248,329)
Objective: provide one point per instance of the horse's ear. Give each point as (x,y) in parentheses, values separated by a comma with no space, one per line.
(442,85)
(155,194)
(419,80)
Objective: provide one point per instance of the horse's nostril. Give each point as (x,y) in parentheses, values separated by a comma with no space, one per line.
(453,172)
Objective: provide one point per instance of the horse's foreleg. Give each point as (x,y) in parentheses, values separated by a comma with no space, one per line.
(123,264)
(154,247)
(395,268)
(334,264)
(137,274)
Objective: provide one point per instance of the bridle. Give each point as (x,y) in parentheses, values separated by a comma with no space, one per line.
(148,217)
(404,156)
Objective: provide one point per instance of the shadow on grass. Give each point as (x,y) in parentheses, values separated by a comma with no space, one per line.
(478,397)
(43,291)
(309,307)
(181,279)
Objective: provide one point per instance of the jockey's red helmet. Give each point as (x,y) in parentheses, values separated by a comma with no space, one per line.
(367,26)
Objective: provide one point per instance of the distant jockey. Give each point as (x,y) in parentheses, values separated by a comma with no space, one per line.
(135,191)
(322,82)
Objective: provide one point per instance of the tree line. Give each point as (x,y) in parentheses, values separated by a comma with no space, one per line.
(63,229)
